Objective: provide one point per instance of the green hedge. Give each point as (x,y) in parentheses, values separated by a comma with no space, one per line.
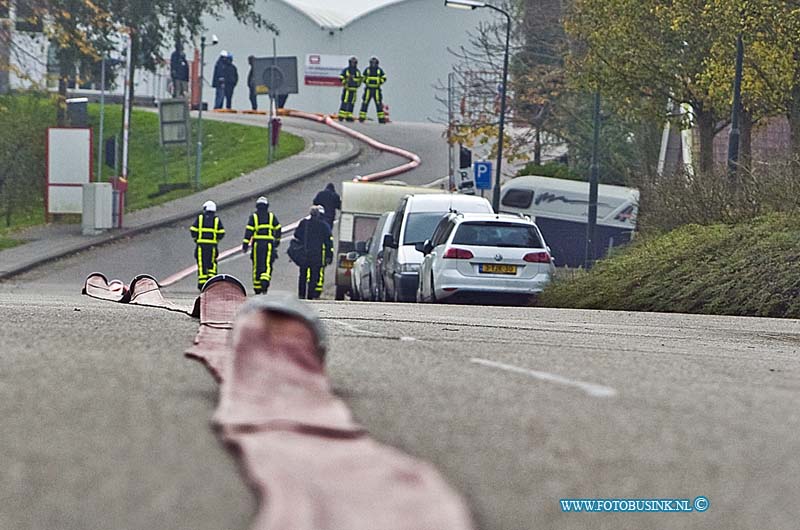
(751,268)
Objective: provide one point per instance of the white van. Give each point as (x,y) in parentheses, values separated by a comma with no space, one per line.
(560,209)
(362,205)
(414,221)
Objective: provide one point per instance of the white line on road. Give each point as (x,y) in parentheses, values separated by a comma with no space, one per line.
(590,388)
(435,183)
(355,329)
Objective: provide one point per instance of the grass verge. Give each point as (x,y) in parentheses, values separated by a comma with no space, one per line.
(229,151)
(749,269)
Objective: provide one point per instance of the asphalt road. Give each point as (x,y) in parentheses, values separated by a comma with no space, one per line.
(105,424)
(164,251)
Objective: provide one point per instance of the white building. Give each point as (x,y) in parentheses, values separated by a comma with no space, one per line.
(410,37)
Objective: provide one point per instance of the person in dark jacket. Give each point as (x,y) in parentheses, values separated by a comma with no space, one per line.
(330,200)
(316,236)
(218,80)
(251,83)
(264,230)
(179,71)
(207,231)
(231,80)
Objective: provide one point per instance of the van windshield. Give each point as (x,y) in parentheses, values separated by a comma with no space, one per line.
(420,226)
(492,234)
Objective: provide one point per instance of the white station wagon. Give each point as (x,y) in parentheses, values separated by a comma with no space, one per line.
(490,257)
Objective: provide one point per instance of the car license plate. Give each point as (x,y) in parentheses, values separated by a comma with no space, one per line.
(491,268)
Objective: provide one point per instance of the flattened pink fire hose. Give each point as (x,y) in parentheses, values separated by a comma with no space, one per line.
(413,159)
(312,465)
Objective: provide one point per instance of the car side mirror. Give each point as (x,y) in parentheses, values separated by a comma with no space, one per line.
(388,241)
(361,247)
(420,246)
(352,256)
(427,247)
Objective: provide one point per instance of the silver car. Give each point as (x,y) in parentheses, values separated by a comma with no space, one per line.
(490,257)
(365,277)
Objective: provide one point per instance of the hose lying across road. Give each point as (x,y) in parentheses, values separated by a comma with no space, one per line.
(413,162)
(312,466)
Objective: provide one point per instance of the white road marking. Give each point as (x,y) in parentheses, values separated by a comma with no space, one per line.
(355,329)
(435,183)
(590,388)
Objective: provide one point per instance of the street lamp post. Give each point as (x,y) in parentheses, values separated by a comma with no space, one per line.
(594,178)
(733,139)
(470,4)
(199,155)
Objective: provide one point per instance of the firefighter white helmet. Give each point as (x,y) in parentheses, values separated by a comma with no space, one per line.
(374,59)
(317,209)
(209,206)
(262,200)
(223,53)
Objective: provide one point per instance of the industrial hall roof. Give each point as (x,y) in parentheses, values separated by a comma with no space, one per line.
(337,13)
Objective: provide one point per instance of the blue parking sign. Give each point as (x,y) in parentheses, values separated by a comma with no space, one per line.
(483,175)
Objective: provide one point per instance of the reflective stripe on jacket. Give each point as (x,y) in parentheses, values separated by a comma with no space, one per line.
(207,234)
(270,231)
(351,78)
(374,77)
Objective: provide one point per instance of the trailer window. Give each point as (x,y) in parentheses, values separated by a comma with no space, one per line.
(364,228)
(518,198)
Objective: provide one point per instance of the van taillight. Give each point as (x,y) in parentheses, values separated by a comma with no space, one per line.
(458,253)
(537,257)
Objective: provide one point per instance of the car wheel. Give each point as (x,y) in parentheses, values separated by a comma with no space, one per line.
(355,296)
(340,292)
(433,291)
(396,298)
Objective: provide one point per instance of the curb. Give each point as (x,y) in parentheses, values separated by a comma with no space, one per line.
(354,152)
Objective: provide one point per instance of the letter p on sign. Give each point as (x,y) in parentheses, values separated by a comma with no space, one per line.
(483,175)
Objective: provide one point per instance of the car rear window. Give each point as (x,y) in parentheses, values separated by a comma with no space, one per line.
(518,198)
(490,234)
(420,226)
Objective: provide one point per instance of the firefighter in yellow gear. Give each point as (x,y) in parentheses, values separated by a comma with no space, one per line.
(264,231)
(374,77)
(351,80)
(207,231)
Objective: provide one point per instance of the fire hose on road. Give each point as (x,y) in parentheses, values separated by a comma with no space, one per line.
(312,465)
